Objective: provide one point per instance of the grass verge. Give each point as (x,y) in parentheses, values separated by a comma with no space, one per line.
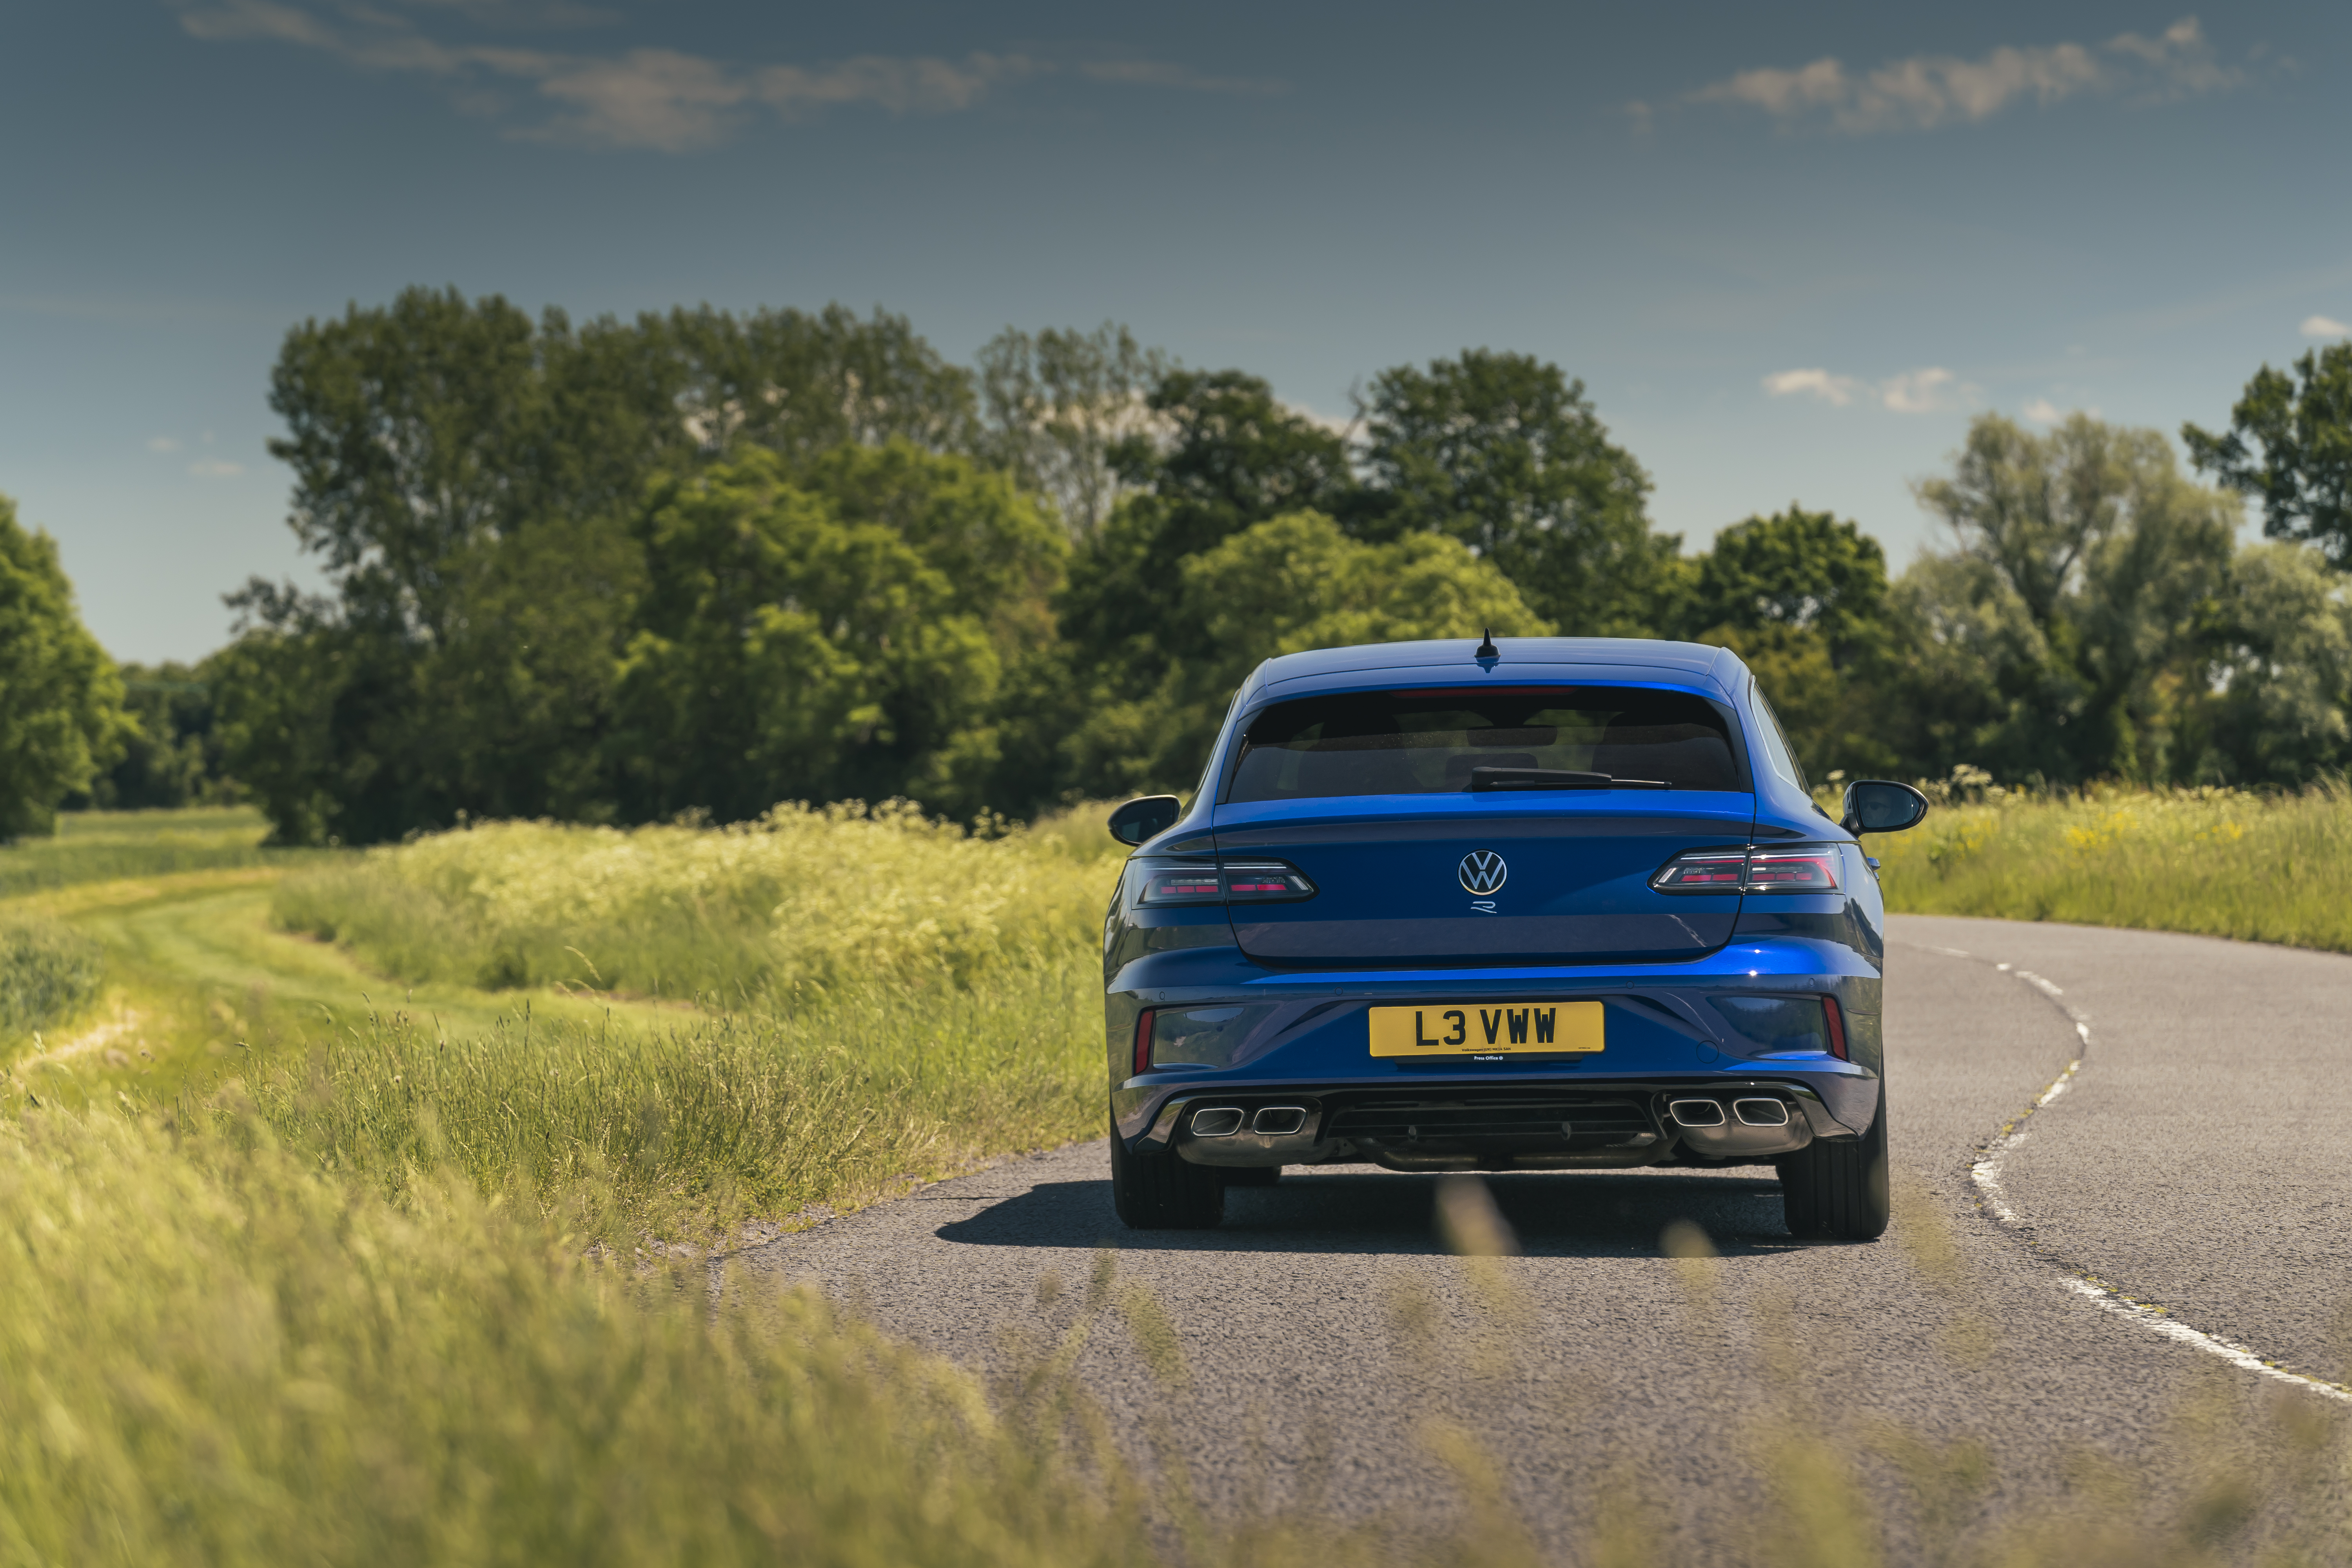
(104,845)
(212,1353)
(2216,862)
(801,902)
(883,999)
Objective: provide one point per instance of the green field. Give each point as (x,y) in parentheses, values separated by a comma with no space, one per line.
(2220,862)
(329,1188)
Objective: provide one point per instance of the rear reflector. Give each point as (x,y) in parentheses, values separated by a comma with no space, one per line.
(1143,1041)
(1831,1015)
(1810,869)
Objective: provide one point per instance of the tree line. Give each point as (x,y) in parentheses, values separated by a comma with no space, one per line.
(699,563)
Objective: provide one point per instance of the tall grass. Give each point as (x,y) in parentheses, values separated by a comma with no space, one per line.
(100,846)
(212,1353)
(883,998)
(2218,862)
(49,970)
(801,900)
(341,1305)
(687,1130)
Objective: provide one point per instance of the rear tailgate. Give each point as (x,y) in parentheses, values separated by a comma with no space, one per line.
(1448,880)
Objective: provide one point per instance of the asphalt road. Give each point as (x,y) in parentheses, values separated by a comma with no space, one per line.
(2195,1160)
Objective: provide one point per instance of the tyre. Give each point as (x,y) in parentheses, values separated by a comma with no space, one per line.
(1839,1188)
(1163,1191)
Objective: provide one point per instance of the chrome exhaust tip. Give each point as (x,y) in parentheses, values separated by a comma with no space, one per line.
(1217,1122)
(1696,1112)
(1279,1121)
(1761,1112)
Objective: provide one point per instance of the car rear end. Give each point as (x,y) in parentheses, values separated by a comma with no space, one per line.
(1568,906)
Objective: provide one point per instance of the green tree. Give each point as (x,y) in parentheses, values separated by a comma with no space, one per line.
(838,633)
(1504,453)
(2290,443)
(312,712)
(1803,571)
(1056,404)
(1801,597)
(799,383)
(468,478)
(1228,455)
(172,755)
(2075,612)
(2275,699)
(1290,584)
(1216,453)
(61,714)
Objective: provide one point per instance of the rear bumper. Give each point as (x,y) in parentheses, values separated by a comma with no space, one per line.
(1672,1028)
(1471,1123)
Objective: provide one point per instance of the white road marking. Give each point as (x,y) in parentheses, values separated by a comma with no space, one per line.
(1986,1173)
(2159,1321)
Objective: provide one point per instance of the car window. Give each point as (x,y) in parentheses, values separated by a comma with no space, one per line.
(1427,742)
(1776,745)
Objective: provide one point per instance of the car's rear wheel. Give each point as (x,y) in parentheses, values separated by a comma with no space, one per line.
(1165,1192)
(1838,1188)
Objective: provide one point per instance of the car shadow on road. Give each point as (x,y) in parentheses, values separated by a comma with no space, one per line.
(1554,1215)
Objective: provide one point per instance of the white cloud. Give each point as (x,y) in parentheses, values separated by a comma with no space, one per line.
(647,98)
(1924,91)
(1918,391)
(1928,390)
(163,443)
(2324,327)
(652,98)
(1837,389)
(215,468)
(923,86)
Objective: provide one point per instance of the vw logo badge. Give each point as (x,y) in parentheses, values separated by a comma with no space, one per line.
(1483,871)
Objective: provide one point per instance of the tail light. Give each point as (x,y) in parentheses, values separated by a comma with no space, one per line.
(1236,881)
(1265,881)
(1811,869)
(1792,871)
(1183,887)
(1836,1021)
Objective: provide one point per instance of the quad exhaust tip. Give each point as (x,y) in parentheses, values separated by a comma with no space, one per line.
(1271,1121)
(1756,1113)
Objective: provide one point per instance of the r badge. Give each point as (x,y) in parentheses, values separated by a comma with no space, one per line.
(1483,871)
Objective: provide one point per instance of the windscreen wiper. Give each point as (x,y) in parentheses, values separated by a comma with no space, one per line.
(1555,778)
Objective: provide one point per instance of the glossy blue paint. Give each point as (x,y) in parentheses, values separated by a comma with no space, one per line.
(1576,918)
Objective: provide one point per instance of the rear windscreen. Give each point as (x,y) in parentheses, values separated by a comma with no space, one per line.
(1435,742)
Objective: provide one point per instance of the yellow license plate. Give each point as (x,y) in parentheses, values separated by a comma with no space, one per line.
(1486,1029)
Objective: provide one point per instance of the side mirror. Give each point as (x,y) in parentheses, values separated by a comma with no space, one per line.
(1140,819)
(1882,806)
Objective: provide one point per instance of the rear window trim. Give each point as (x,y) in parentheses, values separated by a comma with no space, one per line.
(1238,722)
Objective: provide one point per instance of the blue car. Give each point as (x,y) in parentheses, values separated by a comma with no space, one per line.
(1556,903)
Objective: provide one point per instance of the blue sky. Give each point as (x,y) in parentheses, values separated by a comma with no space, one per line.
(1789,249)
